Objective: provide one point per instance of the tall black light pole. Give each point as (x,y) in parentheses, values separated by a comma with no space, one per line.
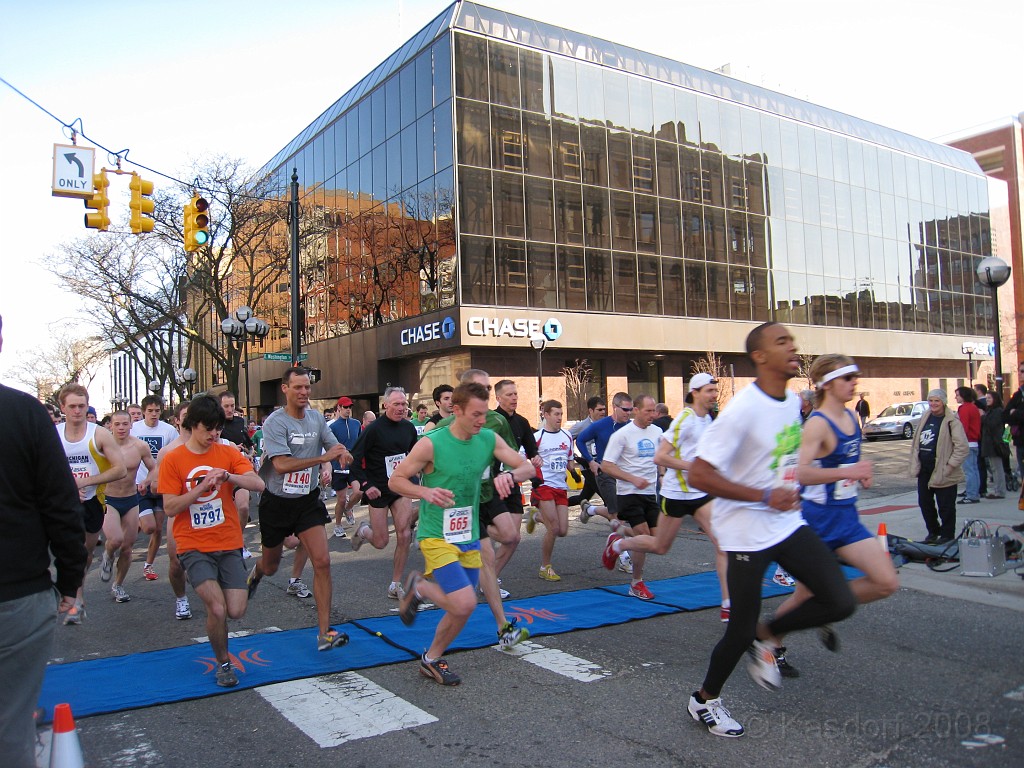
(293,220)
(993,272)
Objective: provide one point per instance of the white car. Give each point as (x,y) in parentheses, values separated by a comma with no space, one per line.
(898,420)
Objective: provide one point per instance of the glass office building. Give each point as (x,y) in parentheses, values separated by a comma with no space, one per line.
(498,177)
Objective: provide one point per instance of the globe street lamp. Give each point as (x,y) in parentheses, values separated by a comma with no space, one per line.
(994,272)
(239,326)
(189,376)
(538,342)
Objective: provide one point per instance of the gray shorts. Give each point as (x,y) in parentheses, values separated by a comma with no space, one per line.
(606,490)
(226,567)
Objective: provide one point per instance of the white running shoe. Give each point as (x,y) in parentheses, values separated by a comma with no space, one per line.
(106,567)
(396,591)
(246,554)
(763,667)
(299,589)
(782,578)
(625,562)
(182,610)
(715,716)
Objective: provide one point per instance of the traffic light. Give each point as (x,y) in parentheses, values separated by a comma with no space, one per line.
(197,223)
(141,205)
(98,202)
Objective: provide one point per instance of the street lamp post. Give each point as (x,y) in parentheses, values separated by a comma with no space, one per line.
(189,376)
(239,326)
(993,272)
(538,342)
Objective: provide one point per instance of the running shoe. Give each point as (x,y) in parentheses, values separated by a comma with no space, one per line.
(785,668)
(585,513)
(149,573)
(829,637)
(120,596)
(350,518)
(226,677)
(106,567)
(438,671)
(253,581)
(762,666)
(725,614)
(332,638)
(547,573)
(715,716)
(75,614)
(246,554)
(640,590)
(339,532)
(782,578)
(409,603)
(182,610)
(625,563)
(299,589)
(609,556)
(504,593)
(357,537)
(531,521)
(395,591)
(510,634)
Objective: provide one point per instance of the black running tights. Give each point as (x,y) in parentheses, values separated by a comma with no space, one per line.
(810,562)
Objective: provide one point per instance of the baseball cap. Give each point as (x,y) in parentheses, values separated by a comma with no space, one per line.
(345,402)
(701,380)
(90,411)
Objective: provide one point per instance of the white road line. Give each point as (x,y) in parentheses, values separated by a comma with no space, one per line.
(240,633)
(334,709)
(1017,694)
(556,661)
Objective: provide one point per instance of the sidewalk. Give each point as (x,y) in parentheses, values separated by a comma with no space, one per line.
(902,517)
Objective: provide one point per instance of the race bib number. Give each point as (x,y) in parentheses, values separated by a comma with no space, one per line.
(82,474)
(458,525)
(845,489)
(208,514)
(559,463)
(391,462)
(786,472)
(297,483)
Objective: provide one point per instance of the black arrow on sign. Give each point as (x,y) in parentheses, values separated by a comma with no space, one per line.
(71,157)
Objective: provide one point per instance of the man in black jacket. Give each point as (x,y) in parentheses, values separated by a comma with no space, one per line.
(507,395)
(39,514)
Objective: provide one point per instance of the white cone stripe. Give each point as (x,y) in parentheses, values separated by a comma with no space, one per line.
(335,709)
(556,661)
(239,633)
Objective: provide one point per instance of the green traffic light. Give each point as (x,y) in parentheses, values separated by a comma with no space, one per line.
(202,238)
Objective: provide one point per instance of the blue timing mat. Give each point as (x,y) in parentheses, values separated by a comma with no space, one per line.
(177,674)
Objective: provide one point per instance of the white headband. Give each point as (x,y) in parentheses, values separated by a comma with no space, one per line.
(844,371)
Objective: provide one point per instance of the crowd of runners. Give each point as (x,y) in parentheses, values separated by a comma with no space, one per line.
(768,484)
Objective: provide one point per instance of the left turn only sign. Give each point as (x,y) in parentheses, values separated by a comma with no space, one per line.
(72,170)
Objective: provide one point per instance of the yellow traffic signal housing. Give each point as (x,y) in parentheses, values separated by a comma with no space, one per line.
(141,205)
(99,203)
(197,223)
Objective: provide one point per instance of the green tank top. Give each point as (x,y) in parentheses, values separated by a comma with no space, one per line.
(458,467)
(500,426)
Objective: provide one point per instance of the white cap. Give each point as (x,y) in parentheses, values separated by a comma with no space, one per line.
(701,380)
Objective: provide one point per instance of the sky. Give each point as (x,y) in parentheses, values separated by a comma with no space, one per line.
(177,82)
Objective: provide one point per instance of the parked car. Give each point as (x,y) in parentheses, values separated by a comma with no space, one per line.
(898,420)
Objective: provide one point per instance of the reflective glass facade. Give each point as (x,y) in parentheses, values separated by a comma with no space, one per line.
(499,161)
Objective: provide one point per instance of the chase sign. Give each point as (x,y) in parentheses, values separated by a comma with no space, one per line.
(435,331)
(513,327)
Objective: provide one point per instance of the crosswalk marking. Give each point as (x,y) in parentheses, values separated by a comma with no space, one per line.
(335,709)
(556,661)
(240,633)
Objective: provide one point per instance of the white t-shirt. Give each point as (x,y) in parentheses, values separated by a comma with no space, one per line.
(755,442)
(555,450)
(683,435)
(163,434)
(631,449)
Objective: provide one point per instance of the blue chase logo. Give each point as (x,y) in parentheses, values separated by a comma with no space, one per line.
(552,329)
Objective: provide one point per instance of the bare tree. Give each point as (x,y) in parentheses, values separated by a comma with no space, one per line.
(65,359)
(578,378)
(805,368)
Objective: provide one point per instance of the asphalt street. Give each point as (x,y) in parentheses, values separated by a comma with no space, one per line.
(929,677)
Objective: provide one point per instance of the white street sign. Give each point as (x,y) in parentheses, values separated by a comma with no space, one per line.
(72,170)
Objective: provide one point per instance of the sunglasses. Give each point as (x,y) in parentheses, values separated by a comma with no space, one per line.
(624,410)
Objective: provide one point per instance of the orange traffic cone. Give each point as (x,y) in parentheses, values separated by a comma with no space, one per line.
(883,537)
(65,751)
